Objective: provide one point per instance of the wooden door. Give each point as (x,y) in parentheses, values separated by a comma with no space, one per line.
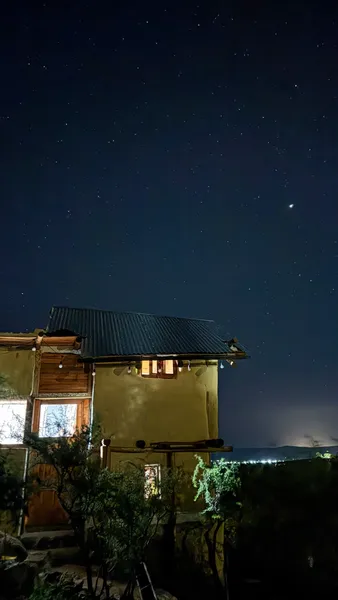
(44,509)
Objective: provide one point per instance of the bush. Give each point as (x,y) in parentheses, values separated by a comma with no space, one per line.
(63,588)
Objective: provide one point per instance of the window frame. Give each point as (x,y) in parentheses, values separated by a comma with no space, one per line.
(158,480)
(21,402)
(158,375)
(80,413)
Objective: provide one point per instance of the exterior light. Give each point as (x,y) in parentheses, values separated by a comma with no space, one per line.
(231,362)
(60,364)
(129,369)
(189,365)
(180,365)
(221,366)
(34,348)
(94,372)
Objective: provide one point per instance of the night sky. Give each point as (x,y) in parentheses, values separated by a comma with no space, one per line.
(182,159)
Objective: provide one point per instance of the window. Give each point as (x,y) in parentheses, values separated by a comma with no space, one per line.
(12,421)
(57,420)
(152,480)
(165,369)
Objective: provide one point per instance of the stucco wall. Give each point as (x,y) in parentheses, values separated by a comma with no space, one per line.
(130,407)
(17,365)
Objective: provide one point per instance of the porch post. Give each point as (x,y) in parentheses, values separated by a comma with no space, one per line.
(104,449)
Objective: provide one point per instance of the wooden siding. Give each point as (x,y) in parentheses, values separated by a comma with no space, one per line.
(73,378)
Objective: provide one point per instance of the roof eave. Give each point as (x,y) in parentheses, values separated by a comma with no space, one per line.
(187,356)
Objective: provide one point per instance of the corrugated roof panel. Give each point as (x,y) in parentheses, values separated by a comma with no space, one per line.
(109,333)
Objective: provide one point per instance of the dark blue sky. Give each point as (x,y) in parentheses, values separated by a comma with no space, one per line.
(149,155)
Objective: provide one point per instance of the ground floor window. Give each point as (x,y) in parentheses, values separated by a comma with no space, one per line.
(152,480)
(12,421)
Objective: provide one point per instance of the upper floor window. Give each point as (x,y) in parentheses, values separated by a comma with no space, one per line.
(158,368)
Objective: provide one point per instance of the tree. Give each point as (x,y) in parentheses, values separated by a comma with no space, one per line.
(218,485)
(6,389)
(11,486)
(113,514)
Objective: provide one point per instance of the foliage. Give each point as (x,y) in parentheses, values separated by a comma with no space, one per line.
(6,389)
(218,484)
(64,588)
(11,486)
(112,513)
(280,520)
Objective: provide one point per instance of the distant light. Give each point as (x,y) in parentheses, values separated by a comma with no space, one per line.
(291,205)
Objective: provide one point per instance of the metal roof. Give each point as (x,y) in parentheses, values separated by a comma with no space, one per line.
(109,333)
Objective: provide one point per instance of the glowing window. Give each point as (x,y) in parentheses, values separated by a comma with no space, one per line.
(169,367)
(57,420)
(12,421)
(152,480)
(145,367)
(165,369)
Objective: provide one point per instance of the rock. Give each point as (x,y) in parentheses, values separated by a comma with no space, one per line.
(163,595)
(12,547)
(18,579)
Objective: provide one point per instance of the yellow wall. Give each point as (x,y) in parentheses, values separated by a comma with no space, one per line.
(18,366)
(130,407)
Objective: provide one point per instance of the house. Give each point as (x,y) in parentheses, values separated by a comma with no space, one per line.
(144,377)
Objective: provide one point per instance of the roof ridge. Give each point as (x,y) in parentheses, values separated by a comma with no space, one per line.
(130,312)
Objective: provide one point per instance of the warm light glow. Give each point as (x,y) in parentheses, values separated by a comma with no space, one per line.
(145,367)
(12,421)
(169,367)
(152,480)
(154,366)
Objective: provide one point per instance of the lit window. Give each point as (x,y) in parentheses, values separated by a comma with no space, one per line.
(152,480)
(57,420)
(158,368)
(145,367)
(12,421)
(169,367)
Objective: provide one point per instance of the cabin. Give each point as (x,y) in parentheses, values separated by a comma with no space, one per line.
(151,382)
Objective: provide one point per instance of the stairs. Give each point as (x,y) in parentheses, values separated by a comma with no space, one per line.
(54,548)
